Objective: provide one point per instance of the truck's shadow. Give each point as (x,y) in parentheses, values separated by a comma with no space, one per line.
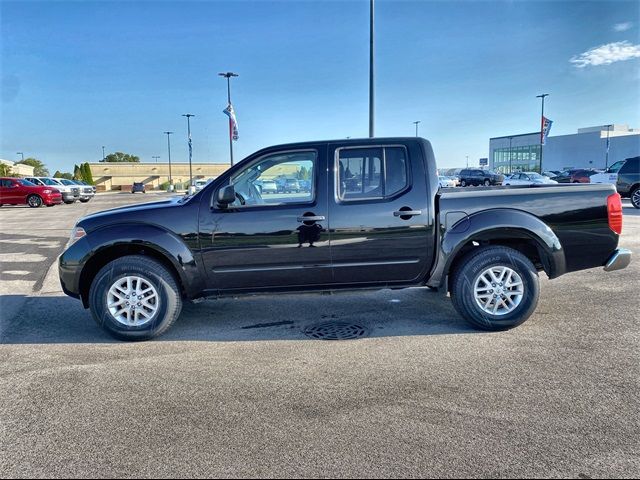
(413,312)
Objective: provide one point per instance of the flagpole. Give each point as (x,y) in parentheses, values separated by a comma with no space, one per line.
(542,127)
(228,76)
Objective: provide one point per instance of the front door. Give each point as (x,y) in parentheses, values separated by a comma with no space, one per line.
(274,237)
(379,211)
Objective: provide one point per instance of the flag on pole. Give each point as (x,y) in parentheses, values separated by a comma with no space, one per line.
(233,123)
(546,128)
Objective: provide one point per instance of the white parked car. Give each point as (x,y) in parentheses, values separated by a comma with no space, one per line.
(610,175)
(201,183)
(446,182)
(70,193)
(528,178)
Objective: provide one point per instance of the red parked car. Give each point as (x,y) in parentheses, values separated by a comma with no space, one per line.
(18,191)
(579,175)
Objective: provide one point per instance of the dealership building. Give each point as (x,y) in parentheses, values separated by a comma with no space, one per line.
(121,175)
(585,149)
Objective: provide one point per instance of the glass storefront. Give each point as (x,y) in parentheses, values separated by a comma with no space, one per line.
(517,159)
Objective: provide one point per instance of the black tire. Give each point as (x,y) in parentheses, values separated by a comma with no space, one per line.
(487,183)
(635,197)
(69,202)
(85,201)
(34,201)
(151,271)
(470,269)
(463,183)
(51,205)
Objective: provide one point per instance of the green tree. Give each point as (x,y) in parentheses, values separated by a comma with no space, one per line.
(303,173)
(39,168)
(77,175)
(86,173)
(121,157)
(5,170)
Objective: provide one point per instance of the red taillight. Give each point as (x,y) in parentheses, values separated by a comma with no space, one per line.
(614,209)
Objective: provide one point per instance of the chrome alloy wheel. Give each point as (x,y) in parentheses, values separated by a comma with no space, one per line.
(132,301)
(498,290)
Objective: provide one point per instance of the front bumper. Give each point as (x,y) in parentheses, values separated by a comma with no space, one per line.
(620,259)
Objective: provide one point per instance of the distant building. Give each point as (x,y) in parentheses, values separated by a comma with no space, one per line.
(18,169)
(585,149)
(121,175)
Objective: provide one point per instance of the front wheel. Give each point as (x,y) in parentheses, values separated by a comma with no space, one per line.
(463,183)
(487,183)
(635,197)
(135,298)
(85,200)
(34,201)
(495,288)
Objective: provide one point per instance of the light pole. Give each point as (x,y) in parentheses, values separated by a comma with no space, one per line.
(156,157)
(510,167)
(21,154)
(416,124)
(542,127)
(189,115)
(467,161)
(169,150)
(103,153)
(371,72)
(606,159)
(228,76)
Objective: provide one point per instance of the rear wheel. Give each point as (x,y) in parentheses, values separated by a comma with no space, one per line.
(463,183)
(635,197)
(34,201)
(487,183)
(85,200)
(135,298)
(495,288)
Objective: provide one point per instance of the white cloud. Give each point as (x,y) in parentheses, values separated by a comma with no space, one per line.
(622,27)
(606,54)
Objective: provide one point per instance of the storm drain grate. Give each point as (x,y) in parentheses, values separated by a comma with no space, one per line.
(336,331)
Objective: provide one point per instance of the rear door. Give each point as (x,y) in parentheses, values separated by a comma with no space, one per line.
(379,214)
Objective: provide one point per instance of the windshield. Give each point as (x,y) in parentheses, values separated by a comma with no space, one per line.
(535,176)
(67,182)
(49,181)
(26,183)
(615,168)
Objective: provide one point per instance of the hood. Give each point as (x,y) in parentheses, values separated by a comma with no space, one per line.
(130,213)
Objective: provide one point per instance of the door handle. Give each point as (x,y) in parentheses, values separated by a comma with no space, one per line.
(407,213)
(312,218)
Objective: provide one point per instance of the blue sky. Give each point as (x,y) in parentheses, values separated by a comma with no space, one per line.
(79,75)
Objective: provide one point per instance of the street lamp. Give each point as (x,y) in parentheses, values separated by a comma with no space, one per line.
(103,153)
(542,96)
(169,150)
(371,71)
(510,167)
(156,157)
(467,161)
(189,115)
(416,124)
(228,76)
(21,154)
(606,160)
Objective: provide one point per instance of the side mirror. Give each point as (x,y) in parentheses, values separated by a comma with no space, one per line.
(226,195)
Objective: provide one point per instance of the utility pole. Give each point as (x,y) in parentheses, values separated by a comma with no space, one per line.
(103,153)
(416,123)
(467,161)
(169,150)
(371,72)
(189,115)
(228,76)
(606,159)
(542,127)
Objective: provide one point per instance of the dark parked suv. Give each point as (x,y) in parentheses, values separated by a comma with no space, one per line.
(628,183)
(472,176)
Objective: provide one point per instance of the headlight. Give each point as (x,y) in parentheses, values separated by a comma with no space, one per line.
(47,191)
(76,234)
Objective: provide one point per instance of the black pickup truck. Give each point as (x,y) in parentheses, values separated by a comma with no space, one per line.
(373,217)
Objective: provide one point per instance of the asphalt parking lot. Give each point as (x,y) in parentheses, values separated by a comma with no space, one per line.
(236,389)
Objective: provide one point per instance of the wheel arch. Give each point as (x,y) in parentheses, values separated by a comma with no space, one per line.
(515,229)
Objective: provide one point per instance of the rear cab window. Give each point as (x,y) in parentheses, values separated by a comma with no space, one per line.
(370,173)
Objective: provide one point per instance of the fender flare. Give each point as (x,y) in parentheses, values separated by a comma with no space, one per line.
(149,237)
(496,224)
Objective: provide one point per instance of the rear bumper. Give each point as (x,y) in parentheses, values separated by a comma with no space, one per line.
(620,259)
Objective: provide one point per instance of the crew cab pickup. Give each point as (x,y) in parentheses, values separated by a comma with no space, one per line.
(373,217)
